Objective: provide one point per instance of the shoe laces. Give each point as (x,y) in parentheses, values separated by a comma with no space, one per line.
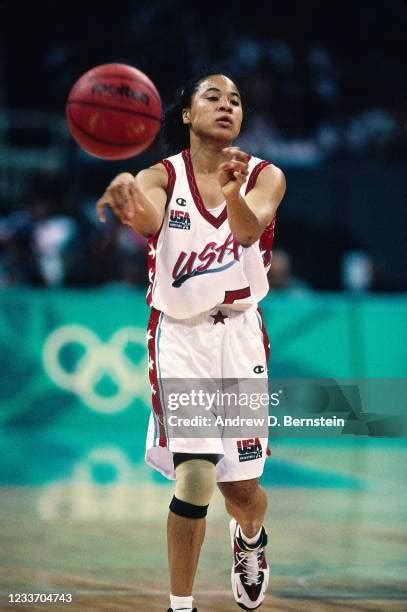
(250,563)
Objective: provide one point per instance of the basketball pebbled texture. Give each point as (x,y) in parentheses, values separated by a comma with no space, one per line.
(114,111)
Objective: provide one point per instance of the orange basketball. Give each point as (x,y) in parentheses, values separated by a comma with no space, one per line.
(114,111)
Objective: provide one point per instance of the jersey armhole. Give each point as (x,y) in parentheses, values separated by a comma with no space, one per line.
(169,166)
(254,174)
(169,190)
(267,238)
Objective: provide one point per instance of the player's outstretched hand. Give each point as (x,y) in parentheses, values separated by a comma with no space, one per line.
(124,197)
(233,173)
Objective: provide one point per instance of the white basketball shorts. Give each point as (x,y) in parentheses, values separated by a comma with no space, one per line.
(219,344)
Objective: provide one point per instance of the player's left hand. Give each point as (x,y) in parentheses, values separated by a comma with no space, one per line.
(233,172)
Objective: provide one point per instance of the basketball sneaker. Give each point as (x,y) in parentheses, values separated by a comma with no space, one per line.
(250,571)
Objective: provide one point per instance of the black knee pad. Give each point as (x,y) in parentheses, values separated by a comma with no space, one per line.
(187,510)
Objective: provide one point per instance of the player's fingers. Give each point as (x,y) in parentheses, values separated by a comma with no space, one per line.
(121,194)
(119,200)
(231,150)
(239,176)
(101,204)
(239,166)
(225,167)
(234,164)
(236,153)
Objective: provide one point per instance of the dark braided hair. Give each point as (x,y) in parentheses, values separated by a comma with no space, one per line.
(174,133)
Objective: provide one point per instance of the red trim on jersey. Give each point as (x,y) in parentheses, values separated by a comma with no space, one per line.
(171,178)
(152,374)
(238,294)
(254,174)
(266,341)
(266,242)
(267,237)
(152,242)
(215,221)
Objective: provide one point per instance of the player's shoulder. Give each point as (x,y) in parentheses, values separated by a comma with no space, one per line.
(266,172)
(154,176)
(273,172)
(162,173)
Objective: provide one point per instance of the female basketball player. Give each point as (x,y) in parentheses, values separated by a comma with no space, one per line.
(209,213)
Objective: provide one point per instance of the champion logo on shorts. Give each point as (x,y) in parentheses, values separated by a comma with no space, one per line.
(180,219)
(249,449)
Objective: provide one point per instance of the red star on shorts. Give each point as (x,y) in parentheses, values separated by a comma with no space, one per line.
(219,317)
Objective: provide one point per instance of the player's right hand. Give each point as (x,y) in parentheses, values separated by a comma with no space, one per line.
(123,198)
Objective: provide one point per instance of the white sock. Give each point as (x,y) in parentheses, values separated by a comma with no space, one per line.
(181,603)
(250,541)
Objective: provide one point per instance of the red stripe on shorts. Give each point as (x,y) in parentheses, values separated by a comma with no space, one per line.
(153,375)
(266,341)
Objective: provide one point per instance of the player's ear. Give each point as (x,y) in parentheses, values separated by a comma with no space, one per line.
(186,116)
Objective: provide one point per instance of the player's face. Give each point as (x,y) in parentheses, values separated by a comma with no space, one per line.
(216,109)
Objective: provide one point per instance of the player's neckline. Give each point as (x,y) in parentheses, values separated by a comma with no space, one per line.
(216,210)
(216,221)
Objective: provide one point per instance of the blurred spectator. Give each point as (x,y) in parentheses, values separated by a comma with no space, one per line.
(18,265)
(361,273)
(132,273)
(373,130)
(357,271)
(280,275)
(52,237)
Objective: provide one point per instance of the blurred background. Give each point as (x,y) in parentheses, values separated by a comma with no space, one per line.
(325,95)
(324,87)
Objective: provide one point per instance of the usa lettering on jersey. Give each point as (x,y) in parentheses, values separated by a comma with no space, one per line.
(213,258)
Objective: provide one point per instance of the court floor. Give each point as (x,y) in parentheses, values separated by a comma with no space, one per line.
(331,548)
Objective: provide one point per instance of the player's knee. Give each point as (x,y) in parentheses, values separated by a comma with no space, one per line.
(244,501)
(194,488)
(243,494)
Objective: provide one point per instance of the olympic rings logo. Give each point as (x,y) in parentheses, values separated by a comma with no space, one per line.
(99,359)
(80,497)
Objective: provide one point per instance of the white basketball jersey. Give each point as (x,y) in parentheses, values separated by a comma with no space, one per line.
(194,262)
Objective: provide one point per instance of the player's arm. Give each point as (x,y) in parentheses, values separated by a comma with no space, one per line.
(249,216)
(137,201)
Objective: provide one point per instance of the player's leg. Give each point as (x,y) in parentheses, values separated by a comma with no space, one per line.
(246,502)
(178,354)
(245,360)
(195,485)
(185,537)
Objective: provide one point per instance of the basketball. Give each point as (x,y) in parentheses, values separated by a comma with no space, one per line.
(114,111)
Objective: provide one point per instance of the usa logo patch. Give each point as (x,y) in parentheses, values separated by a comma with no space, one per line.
(180,219)
(249,449)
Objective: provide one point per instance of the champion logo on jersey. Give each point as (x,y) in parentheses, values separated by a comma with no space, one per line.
(180,219)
